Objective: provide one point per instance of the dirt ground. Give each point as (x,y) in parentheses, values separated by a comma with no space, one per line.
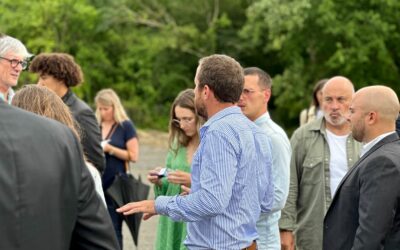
(153,150)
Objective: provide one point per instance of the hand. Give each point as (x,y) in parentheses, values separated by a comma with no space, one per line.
(107,147)
(287,240)
(147,207)
(179,177)
(185,190)
(103,143)
(153,176)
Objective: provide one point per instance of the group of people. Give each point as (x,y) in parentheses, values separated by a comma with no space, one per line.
(233,180)
(107,137)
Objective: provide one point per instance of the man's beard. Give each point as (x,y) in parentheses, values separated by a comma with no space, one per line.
(201,110)
(335,121)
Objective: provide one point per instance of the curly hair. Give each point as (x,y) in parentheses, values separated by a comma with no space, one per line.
(61,66)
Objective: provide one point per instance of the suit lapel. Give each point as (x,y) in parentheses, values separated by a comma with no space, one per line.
(388,139)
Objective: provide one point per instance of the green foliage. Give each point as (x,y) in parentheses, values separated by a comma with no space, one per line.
(148,50)
(315,39)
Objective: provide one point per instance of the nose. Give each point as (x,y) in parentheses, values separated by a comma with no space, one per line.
(335,105)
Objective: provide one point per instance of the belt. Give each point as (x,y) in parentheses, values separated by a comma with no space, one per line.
(253,246)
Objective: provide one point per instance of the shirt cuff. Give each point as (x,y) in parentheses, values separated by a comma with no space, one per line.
(162,203)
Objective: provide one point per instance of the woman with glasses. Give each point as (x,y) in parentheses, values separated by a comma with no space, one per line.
(183,141)
(120,145)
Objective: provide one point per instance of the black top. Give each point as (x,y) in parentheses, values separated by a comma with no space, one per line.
(398,125)
(121,135)
(89,128)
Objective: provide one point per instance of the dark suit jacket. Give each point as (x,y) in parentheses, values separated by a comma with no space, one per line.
(47,195)
(365,211)
(89,128)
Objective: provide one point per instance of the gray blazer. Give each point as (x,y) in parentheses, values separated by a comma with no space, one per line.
(365,211)
(47,195)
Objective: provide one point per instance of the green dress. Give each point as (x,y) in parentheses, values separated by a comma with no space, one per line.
(170,234)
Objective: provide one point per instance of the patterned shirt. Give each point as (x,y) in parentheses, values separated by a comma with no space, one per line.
(231,184)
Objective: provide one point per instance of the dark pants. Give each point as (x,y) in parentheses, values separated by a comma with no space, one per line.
(115,217)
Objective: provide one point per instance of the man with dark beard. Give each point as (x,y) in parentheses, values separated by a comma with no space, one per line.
(322,152)
(365,212)
(231,169)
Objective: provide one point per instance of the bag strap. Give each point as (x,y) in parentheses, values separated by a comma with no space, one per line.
(111,132)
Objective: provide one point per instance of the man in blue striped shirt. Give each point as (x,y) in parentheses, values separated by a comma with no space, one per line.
(231,170)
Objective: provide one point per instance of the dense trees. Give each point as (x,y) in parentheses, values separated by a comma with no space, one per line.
(148,50)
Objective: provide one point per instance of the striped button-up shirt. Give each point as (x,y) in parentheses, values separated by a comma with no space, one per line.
(231,184)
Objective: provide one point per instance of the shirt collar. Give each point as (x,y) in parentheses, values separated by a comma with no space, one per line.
(10,96)
(366,147)
(219,115)
(263,118)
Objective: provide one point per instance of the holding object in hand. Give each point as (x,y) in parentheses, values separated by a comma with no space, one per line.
(104,143)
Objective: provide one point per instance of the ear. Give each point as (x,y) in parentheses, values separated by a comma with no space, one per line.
(372,117)
(206,92)
(267,95)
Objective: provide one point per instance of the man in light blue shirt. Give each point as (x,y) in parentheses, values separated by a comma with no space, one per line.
(13,59)
(231,170)
(254,104)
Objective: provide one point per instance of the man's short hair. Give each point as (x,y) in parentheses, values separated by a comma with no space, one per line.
(223,75)
(61,66)
(264,79)
(11,44)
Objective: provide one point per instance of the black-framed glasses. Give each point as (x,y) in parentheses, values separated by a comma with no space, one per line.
(14,62)
(184,120)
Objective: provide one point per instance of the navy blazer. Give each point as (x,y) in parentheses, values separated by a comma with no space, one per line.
(365,211)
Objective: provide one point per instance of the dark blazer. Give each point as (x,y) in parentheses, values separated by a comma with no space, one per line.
(89,128)
(365,211)
(47,195)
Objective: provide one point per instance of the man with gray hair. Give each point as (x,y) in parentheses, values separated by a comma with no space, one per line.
(365,211)
(13,59)
(322,152)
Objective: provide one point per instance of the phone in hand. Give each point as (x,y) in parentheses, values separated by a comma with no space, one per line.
(163,173)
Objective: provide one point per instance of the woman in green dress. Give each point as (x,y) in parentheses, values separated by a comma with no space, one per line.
(184,125)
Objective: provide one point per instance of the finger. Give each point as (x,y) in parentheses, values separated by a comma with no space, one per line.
(129,208)
(185,189)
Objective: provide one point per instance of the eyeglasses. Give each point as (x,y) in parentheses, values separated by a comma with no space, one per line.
(14,62)
(184,121)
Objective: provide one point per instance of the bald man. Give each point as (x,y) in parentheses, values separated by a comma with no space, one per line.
(322,153)
(365,212)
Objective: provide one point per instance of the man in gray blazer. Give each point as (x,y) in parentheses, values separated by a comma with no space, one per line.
(365,211)
(47,195)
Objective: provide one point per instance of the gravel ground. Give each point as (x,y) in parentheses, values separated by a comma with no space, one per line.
(153,150)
